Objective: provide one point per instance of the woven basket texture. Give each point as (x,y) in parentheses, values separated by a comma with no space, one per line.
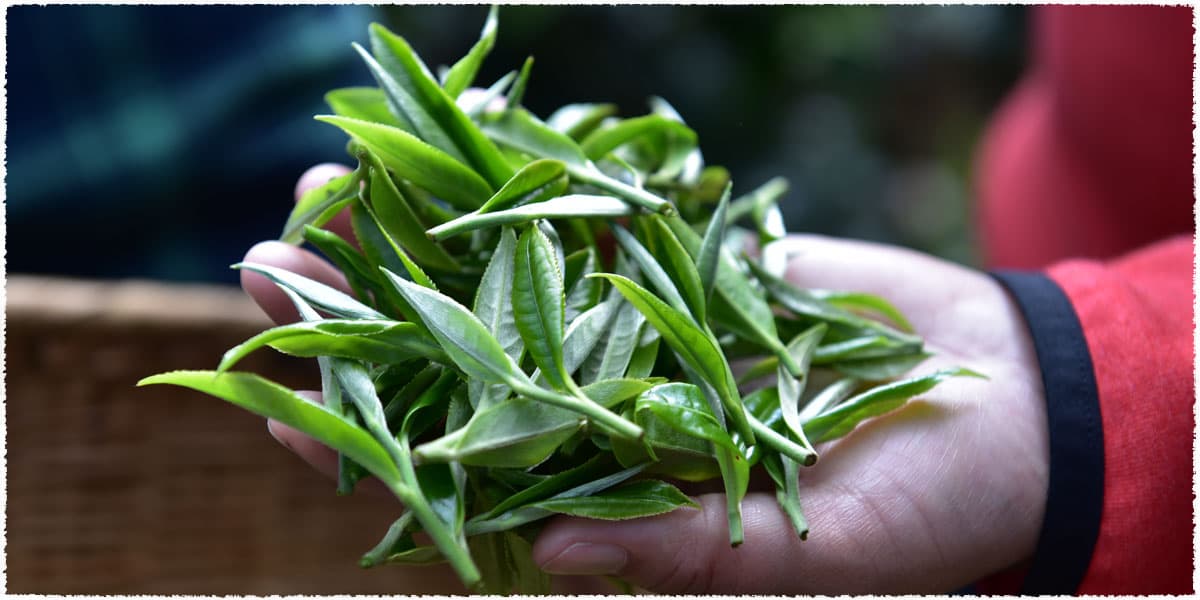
(114,489)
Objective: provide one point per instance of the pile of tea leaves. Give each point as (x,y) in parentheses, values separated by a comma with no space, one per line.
(543,318)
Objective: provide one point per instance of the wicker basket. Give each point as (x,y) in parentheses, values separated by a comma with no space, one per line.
(161,490)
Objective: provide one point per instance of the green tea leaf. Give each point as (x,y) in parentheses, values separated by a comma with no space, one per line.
(578,120)
(583,294)
(585,332)
(594,468)
(367,340)
(709,254)
(876,401)
(790,387)
(381,249)
(683,407)
(409,112)
(638,499)
(493,303)
(529,514)
(879,369)
(363,103)
(474,105)
(605,140)
(736,305)
(462,74)
(537,181)
(516,433)
(573,205)
(802,302)
(651,269)
(852,301)
(538,305)
(464,338)
(362,278)
(417,161)
(830,396)
(318,205)
(520,130)
(764,195)
(394,53)
(865,347)
(273,401)
(693,345)
(679,266)
(612,354)
(517,93)
(315,293)
(398,219)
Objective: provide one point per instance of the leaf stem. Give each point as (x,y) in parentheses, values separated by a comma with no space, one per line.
(583,405)
(637,196)
(780,443)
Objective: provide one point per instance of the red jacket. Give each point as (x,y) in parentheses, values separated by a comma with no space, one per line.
(1086,173)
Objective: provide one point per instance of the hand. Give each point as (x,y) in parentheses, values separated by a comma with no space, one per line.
(927,499)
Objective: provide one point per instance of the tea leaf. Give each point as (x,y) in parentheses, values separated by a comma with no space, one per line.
(474,105)
(417,161)
(362,278)
(493,299)
(537,181)
(528,514)
(273,401)
(802,302)
(537,305)
(864,302)
(573,205)
(583,294)
(578,120)
(519,129)
(865,347)
(397,218)
(462,336)
(395,54)
(693,345)
(517,93)
(612,354)
(764,195)
(828,397)
(876,401)
(709,254)
(879,369)
(683,407)
(559,482)
(408,110)
(318,205)
(680,268)
(462,74)
(380,249)
(364,103)
(516,433)
(585,333)
(638,499)
(373,341)
(318,294)
(790,388)
(735,304)
(651,269)
(605,140)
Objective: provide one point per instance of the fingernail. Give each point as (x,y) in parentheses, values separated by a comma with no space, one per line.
(588,559)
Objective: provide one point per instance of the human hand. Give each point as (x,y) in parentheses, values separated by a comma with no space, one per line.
(927,499)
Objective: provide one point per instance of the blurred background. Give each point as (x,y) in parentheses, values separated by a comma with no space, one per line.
(158,143)
(162,141)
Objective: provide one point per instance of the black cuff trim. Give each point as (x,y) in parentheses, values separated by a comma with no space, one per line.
(1075,497)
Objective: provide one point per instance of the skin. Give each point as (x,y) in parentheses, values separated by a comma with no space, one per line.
(945,491)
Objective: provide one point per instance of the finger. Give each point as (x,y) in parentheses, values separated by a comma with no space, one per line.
(321,457)
(687,551)
(320,175)
(285,256)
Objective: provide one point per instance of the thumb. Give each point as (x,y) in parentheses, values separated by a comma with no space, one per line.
(688,551)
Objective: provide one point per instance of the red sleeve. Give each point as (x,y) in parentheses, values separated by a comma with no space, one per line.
(1091,156)
(1137,318)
